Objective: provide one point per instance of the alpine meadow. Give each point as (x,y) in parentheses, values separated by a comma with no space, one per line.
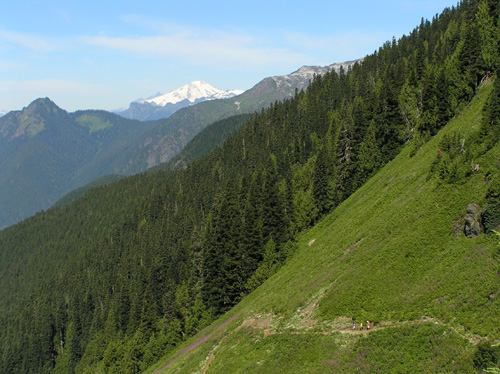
(272,240)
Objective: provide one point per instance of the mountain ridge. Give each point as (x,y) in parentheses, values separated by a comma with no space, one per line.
(262,94)
(155,142)
(155,148)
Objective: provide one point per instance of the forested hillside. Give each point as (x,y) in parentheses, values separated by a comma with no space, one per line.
(203,143)
(399,253)
(47,152)
(115,280)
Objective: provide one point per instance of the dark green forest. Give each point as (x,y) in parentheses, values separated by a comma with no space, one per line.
(114,280)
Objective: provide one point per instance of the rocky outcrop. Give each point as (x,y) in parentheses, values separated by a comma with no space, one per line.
(472,225)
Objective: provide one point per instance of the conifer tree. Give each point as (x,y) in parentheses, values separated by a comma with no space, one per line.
(267,268)
(320,183)
(489,35)
(410,107)
(273,218)
(222,284)
(369,157)
(251,238)
(75,341)
(490,127)
(149,317)
(345,151)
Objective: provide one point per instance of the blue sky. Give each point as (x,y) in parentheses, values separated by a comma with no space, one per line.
(104,54)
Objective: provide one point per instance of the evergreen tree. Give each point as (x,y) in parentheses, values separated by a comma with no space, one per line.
(345,151)
(149,317)
(222,284)
(369,157)
(320,184)
(251,238)
(411,110)
(489,37)
(273,218)
(490,126)
(267,268)
(75,340)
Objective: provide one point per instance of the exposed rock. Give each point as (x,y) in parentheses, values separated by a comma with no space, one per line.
(493,295)
(458,227)
(472,221)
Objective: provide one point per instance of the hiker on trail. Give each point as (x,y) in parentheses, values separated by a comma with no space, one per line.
(368,325)
(354,325)
(361,326)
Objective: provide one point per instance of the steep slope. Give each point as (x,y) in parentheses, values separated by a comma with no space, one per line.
(267,91)
(118,278)
(387,255)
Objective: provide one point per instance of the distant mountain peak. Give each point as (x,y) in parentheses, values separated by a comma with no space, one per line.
(164,105)
(193,92)
(36,102)
(31,120)
(43,106)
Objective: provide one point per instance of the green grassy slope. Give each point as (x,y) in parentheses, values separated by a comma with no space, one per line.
(387,255)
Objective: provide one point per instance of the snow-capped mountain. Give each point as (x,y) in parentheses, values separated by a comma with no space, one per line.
(193,92)
(3,112)
(159,148)
(164,105)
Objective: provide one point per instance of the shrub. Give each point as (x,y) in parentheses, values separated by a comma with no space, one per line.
(490,214)
(485,355)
